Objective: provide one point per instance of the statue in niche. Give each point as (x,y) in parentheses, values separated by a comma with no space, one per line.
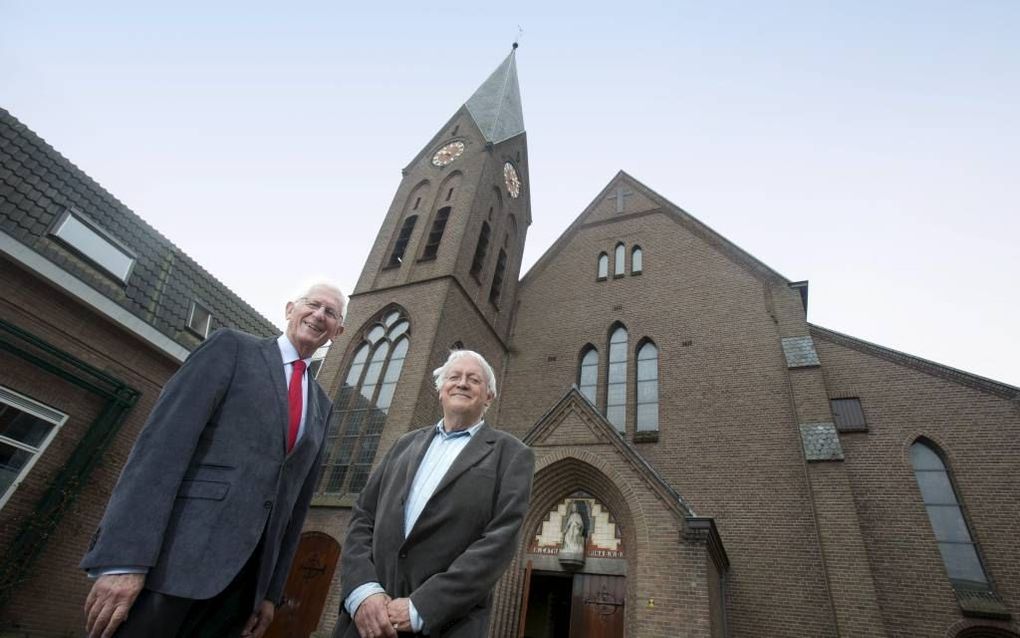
(575,530)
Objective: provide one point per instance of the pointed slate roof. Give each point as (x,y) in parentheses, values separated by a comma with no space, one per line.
(496,105)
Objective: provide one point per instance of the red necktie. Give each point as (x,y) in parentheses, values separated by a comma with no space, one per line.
(294,398)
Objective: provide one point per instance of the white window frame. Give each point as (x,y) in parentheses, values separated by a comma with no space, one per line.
(208,320)
(36,409)
(105,262)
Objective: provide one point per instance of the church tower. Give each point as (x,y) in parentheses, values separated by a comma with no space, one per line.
(442,274)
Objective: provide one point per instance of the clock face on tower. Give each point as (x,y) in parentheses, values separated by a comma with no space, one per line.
(513,182)
(448,153)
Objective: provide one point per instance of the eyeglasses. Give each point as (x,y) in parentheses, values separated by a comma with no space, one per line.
(315,306)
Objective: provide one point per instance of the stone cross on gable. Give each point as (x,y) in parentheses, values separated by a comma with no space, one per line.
(621,193)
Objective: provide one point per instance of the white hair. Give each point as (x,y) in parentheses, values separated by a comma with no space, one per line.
(326,285)
(439,374)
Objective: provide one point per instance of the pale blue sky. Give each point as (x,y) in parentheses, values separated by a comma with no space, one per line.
(869,147)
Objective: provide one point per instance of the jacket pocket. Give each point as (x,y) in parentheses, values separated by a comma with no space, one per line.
(210,490)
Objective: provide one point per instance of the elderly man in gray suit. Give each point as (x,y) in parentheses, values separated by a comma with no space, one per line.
(437,522)
(201,529)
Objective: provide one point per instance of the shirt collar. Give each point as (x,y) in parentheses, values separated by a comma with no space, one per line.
(288,351)
(450,435)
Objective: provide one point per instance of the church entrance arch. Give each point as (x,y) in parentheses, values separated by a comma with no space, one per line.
(575,585)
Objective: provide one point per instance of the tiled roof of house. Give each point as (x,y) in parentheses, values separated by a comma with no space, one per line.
(38,185)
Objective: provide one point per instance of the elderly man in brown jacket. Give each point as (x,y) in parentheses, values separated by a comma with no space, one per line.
(438,521)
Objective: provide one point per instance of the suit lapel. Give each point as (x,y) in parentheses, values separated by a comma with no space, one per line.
(481,443)
(274,361)
(416,453)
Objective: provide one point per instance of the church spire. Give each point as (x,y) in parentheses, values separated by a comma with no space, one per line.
(496,105)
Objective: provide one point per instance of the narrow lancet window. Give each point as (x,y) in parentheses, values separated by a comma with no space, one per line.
(603,268)
(637,259)
(588,373)
(959,553)
(616,379)
(436,234)
(397,256)
(647,388)
(481,250)
(621,257)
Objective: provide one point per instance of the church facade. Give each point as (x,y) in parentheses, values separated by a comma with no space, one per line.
(709,463)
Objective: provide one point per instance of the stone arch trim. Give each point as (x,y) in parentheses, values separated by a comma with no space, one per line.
(977,628)
(558,472)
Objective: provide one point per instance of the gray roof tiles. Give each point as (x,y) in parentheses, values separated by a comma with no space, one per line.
(496,105)
(37,185)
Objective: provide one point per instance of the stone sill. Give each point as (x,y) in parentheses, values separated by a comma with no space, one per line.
(648,436)
(980,603)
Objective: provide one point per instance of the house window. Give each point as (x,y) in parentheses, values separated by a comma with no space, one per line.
(848,415)
(959,553)
(360,409)
(588,373)
(621,256)
(616,380)
(636,260)
(199,319)
(497,278)
(481,249)
(90,241)
(397,256)
(603,269)
(436,234)
(26,428)
(647,388)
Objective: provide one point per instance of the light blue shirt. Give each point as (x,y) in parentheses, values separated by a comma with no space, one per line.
(443,451)
(290,355)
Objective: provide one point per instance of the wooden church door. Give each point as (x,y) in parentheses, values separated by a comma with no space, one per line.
(596,607)
(308,583)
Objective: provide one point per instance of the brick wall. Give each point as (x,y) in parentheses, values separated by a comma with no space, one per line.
(979,433)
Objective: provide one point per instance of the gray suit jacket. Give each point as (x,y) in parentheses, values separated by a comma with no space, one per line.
(458,547)
(209,475)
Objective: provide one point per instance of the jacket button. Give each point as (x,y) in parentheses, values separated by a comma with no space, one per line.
(268,505)
(403,554)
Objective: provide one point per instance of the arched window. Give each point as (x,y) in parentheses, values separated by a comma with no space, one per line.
(647,388)
(603,270)
(497,278)
(588,373)
(621,256)
(436,234)
(397,256)
(616,379)
(481,250)
(959,553)
(636,260)
(359,411)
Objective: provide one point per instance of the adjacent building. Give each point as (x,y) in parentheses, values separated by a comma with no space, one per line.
(97,311)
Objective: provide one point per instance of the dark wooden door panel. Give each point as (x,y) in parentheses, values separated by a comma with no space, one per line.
(596,609)
(304,595)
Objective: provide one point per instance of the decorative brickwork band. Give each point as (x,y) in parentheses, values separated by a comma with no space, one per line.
(800,352)
(821,442)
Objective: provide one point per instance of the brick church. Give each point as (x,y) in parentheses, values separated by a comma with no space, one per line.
(708,463)
(736,470)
